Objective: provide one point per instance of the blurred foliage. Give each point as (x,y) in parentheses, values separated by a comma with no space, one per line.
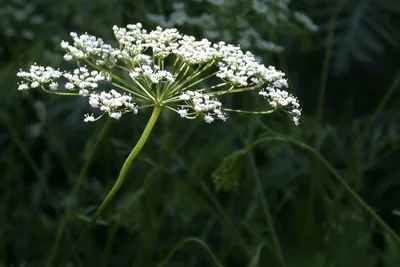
(170,208)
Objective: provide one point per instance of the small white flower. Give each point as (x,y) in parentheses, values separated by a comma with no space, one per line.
(184,96)
(67,57)
(84,92)
(89,118)
(64,44)
(183,112)
(23,86)
(35,84)
(208,118)
(296,121)
(69,86)
(115,115)
(53,86)
(296,112)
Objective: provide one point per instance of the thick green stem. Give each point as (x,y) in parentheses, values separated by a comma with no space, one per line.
(124,170)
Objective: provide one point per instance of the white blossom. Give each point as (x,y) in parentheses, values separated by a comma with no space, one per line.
(202,104)
(140,55)
(89,47)
(242,69)
(282,99)
(89,118)
(23,86)
(37,76)
(163,42)
(152,73)
(82,78)
(113,103)
(195,52)
(183,112)
(131,39)
(115,115)
(53,86)
(208,118)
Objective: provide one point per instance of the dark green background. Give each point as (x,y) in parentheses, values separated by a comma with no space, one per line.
(346,77)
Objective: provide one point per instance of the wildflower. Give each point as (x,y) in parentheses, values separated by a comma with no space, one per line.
(161,68)
(89,117)
(164,70)
(38,76)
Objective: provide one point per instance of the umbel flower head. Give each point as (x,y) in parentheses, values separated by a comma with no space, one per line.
(161,68)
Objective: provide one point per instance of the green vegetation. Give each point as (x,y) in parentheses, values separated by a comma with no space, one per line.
(252,191)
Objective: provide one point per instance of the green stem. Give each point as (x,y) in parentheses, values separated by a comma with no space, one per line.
(225,217)
(124,170)
(199,81)
(336,175)
(58,93)
(358,147)
(250,112)
(235,90)
(183,242)
(264,204)
(110,241)
(196,73)
(377,112)
(326,63)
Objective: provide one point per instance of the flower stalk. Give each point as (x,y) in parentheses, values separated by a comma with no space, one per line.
(159,69)
(121,177)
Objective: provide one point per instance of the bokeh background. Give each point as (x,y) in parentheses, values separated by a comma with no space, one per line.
(193,198)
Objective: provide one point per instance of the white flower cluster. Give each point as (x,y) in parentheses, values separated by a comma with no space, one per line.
(134,40)
(241,69)
(131,40)
(84,79)
(141,59)
(154,83)
(235,66)
(163,42)
(202,104)
(196,52)
(87,46)
(282,99)
(39,76)
(111,102)
(81,78)
(153,74)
